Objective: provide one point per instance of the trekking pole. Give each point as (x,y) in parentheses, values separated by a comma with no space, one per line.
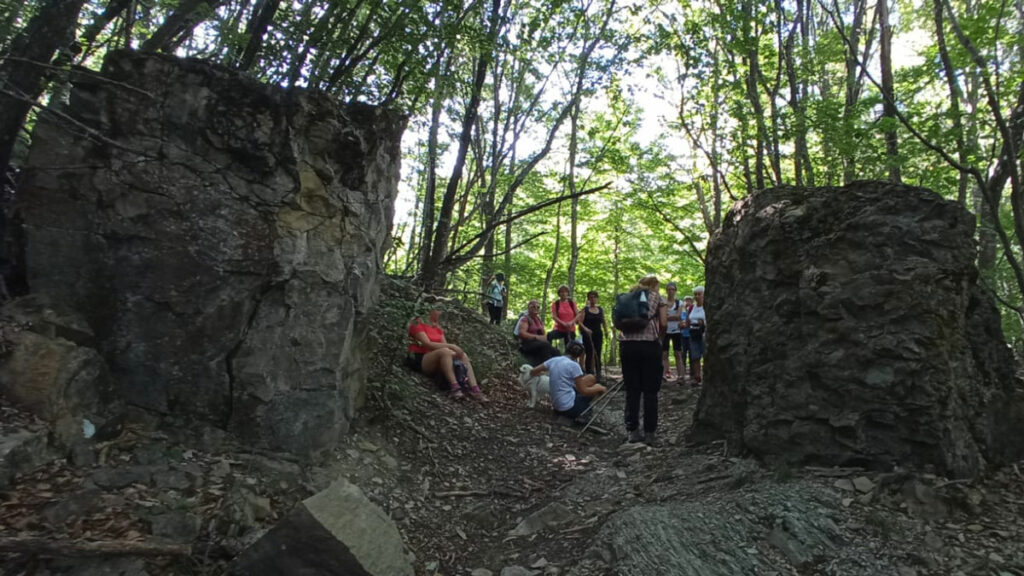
(603,406)
(605,397)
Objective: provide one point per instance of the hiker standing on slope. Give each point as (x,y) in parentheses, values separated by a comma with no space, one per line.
(640,351)
(563,312)
(496,294)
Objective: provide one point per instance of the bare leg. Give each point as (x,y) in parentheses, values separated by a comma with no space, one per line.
(589,386)
(680,366)
(664,361)
(695,365)
(440,361)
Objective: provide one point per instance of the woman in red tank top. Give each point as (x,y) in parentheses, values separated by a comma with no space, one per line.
(432,355)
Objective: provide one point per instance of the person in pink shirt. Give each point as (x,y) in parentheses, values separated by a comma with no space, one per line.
(564,313)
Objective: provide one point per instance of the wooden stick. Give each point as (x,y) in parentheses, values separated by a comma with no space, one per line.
(75,548)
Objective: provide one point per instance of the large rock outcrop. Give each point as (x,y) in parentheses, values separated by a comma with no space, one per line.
(846,326)
(220,236)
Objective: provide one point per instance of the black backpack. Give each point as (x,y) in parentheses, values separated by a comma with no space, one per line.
(632,311)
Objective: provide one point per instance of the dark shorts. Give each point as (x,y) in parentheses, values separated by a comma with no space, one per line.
(415,362)
(578,406)
(676,340)
(696,348)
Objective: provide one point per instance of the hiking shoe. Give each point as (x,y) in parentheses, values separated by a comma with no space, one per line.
(651,439)
(635,436)
(668,374)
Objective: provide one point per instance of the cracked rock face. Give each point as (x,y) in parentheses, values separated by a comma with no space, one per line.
(846,326)
(222,238)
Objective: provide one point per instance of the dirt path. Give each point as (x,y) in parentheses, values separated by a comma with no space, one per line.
(470,473)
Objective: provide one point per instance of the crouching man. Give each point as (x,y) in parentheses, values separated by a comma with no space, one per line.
(570,389)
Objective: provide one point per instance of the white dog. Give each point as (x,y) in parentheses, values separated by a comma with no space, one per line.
(535,384)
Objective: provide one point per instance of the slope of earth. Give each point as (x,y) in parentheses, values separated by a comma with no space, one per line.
(503,489)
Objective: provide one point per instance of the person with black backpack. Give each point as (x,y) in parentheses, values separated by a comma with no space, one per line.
(641,316)
(563,312)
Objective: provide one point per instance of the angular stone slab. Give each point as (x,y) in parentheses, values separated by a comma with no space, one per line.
(337,531)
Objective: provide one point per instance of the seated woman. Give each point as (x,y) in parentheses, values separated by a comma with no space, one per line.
(533,342)
(431,355)
(570,389)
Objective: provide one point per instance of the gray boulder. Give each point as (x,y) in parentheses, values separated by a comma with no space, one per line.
(21,451)
(49,370)
(222,237)
(334,532)
(846,326)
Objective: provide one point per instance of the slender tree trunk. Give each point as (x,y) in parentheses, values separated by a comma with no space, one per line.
(852,94)
(179,24)
(509,284)
(797,89)
(574,242)
(554,262)
(24,77)
(433,275)
(752,57)
(616,282)
(430,190)
(892,149)
(256,30)
(92,31)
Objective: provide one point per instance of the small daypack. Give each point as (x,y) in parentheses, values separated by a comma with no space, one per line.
(515,327)
(631,312)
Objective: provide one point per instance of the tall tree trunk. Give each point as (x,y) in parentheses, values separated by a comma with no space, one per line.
(892,149)
(433,276)
(23,75)
(256,30)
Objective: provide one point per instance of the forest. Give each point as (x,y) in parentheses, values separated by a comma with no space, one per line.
(589,142)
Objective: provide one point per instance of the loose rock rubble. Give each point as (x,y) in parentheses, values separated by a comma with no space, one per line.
(504,489)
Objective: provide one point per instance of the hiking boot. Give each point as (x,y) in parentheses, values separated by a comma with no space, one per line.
(635,436)
(651,439)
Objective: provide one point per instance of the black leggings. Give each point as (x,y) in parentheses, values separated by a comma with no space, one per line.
(593,344)
(537,352)
(641,377)
(495,311)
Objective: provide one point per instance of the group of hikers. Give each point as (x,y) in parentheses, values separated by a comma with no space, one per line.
(649,325)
